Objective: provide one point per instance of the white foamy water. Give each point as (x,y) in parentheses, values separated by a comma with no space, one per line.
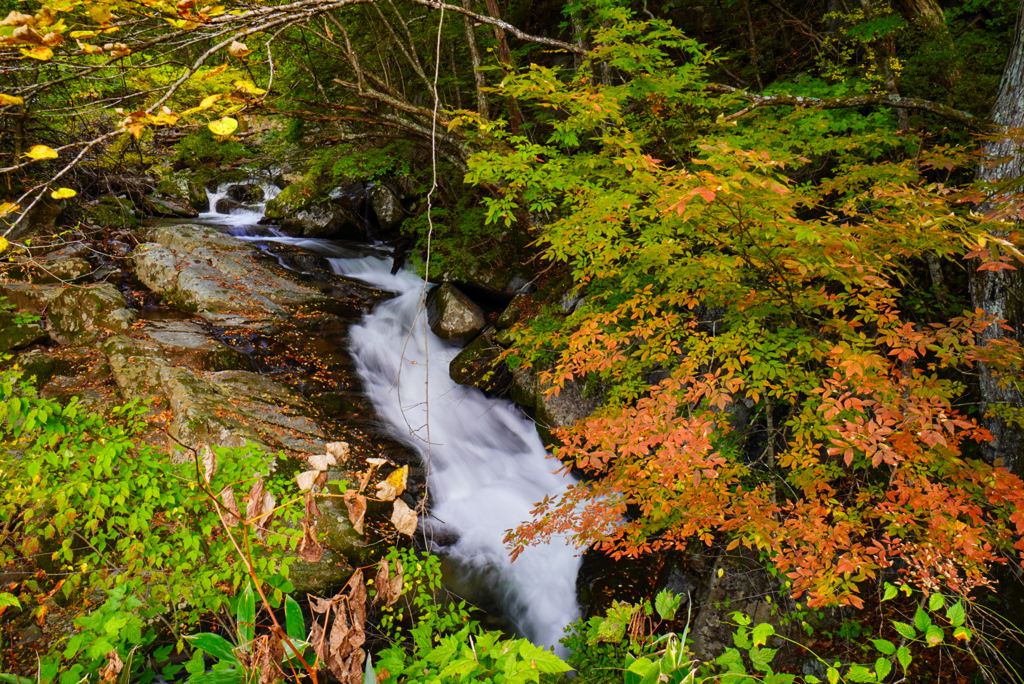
(487,464)
(244,219)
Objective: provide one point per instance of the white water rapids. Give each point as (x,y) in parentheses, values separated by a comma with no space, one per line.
(487,466)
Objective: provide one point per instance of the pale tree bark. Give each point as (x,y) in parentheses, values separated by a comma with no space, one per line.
(1001,293)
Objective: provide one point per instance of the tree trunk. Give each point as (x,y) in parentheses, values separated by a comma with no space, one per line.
(1001,293)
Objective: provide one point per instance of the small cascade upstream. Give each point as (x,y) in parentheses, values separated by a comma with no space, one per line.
(244,219)
(487,464)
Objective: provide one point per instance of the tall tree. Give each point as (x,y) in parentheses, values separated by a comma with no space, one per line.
(1001,293)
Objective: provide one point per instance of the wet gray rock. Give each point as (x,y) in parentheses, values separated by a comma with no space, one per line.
(574,402)
(183,190)
(201,269)
(306,209)
(186,343)
(245,193)
(386,206)
(30,297)
(15,334)
(111,213)
(478,365)
(81,315)
(167,207)
(67,264)
(223,408)
(225,205)
(453,316)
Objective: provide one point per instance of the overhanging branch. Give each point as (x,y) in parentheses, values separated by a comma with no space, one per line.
(882,100)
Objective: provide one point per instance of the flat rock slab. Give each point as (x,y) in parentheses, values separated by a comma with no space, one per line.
(216,275)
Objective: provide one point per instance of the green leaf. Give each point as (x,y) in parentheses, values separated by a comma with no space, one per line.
(294,622)
(235,675)
(637,670)
(667,604)
(956,614)
(761,633)
(859,673)
(903,655)
(905,630)
(215,645)
(246,615)
(8,600)
(934,635)
(762,657)
(890,592)
(886,647)
(921,620)
(882,668)
(833,675)
(936,602)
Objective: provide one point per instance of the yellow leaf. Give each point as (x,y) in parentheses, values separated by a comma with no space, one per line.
(209,101)
(3,243)
(6,100)
(101,14)
(215,71)
(89,49)
(63,193)
(43,54)
(6,208)
(41,152)
(225,126)
(83,34)
(237,49)
(248,88)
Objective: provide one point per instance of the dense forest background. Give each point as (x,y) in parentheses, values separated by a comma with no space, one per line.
(773,313)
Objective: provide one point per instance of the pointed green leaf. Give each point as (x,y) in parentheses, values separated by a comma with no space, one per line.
(921,620)
(936,602)
(903,655)
(667,603)
(295,624)
(905,630)
(761,633)
(246,615)
(215,645)
(884,646)
(956,614)
(890,592)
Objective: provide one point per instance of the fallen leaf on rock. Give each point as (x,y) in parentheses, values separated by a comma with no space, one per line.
(322,461)
(305,480)
(403,518)
(394,485)
(339,450)
(356,505)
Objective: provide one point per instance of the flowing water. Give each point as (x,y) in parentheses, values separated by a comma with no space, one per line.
(487,466)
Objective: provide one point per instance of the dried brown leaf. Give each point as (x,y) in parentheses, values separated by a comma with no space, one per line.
(209,462)
(322,461)
(309,548)
(397,583)
(338,647)
(227,498)
(403,518)
(355,667)
(381,581)
(113,667)
(306,479)
(356,505)
(237,49)
(27,34)
(312,510)
(339,450)
(357,604)
(16,18)
(254,507)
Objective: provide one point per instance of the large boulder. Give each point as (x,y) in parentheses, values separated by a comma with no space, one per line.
(167,207)
(30,297)
(67,264)
(453,316)
(183,190)
(81,315)
(225,205)
(245,193)
(574,401)
(186,343)
(307,210)
(478,365)
(203,270)
(111,213)
(223,408)
(15,332)
(386,206)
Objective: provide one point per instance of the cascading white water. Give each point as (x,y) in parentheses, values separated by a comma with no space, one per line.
(244,219)
(487,466)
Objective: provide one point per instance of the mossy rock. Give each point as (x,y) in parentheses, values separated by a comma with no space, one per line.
(112,213)
(181,187)
(82,315)
(453,316)
(478,365)
(15,334)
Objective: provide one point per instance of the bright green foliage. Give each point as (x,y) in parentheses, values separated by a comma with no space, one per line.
(444,645)
(110,513)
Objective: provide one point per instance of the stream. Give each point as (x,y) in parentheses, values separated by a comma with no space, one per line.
(486,465)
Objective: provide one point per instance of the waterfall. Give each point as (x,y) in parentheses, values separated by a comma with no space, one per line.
(486,463)
(244,219)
